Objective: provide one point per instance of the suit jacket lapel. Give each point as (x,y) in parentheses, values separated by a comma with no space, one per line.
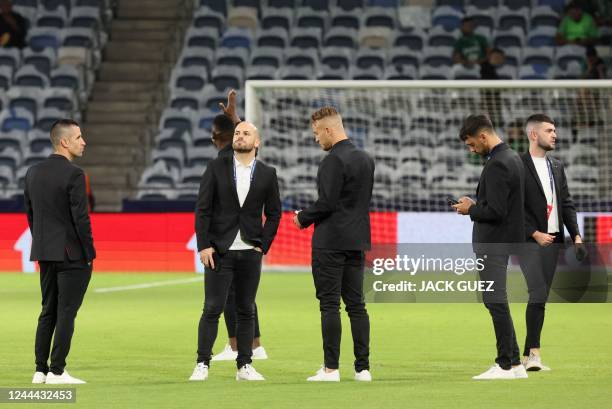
(229,165)
(534,173)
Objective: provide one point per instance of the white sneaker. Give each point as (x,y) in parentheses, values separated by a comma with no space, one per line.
(496,372)
(226,355)
(260,353)
(322,376)
(200,372)
(534,363)
(520,372)
(39,377)
(363,376)
(65,378)
(248,373)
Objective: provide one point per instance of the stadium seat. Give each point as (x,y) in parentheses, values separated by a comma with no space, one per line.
(371,73)
(273,37)
(261,72)
(514,56)
(205,17)
(346,18)
(85,17)
(305,37)
(298,57)
(200,156)
(200,57)
(482,17)
(46,117)
(319,5)
(178,120)
(205,118)
(12,139)
(237,37)
(6,176)
(379,17)
(440,37)
(10,57)
(308,18)
(538,55)
(227,76)
(24,97)
(543,36)
(38,140)
(237,57)
(402,56)
(182,99)
(202,137)
(568,53)
(384,3)
(401,72)
(79,37)
(461,72)
(414,39)
(31,158)
(202,37)
(10,157)
(572,70)
(375,37)
(295,73)
(44,60)
(172,158)
(457,4)
(544,16)
(243,17)
(39,38)
(531,72)
(517,4)
(19,119)
(514,37)
(336,57)
(215,5)
(509,18)
(349,5)
(159,175)
(29,76)
(190,78)
(277,17)
(75,56)
(557,5)
(447,17)
(340,37)
(414,17)
(368,57)
(192,175)
(507,72)
(269,56)
(52,18)
(6,78)
(437,56)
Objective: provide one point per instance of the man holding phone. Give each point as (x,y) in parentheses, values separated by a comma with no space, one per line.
(234,193)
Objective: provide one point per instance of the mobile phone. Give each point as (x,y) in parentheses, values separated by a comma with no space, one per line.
(451,201)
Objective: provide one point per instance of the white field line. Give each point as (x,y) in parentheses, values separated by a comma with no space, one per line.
(149,285)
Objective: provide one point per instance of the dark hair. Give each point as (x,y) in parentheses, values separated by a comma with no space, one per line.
(538,119)
(473,124)
(573,5)
(467,19)
(57,129)
(591,51)
(224,125)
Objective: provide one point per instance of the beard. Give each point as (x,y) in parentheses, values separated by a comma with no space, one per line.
(546,146)
(242,147)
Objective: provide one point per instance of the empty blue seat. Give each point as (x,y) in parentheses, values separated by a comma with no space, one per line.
(208,18)
(235,37)
(447,17)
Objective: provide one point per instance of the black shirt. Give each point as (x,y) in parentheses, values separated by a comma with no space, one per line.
(488,71)
(16,38)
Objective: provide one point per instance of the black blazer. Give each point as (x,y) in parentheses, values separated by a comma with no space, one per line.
(341,214)
(226,152)
(218,211)
(498,214)
(57,209)
(535,200)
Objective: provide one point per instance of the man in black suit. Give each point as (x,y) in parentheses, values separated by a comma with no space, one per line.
(341,235)
(62,243)
(548,207)
(222,135)
(498,217)
(231,240)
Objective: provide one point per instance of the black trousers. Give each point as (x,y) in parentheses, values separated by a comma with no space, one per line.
(243,267)
(538,265)
(495,269)
(63,286)
(339,274)
(229,313)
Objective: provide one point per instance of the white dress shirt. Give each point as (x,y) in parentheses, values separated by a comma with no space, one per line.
(545,175)
(243,184)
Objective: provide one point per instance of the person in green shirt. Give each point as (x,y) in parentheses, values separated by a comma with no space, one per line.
(577,27)
(470,48)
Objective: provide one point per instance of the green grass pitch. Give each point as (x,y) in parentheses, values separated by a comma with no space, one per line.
(137,348)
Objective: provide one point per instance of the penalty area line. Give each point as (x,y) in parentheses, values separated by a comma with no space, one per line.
(148,285)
